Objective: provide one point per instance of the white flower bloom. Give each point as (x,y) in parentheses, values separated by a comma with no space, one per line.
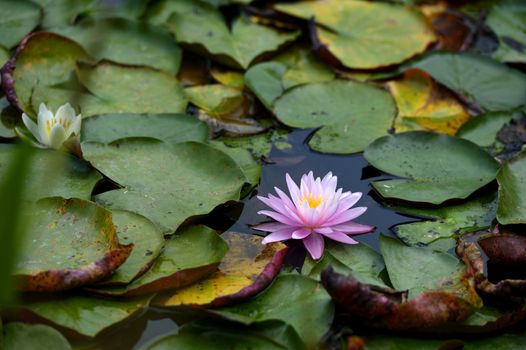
(52,130)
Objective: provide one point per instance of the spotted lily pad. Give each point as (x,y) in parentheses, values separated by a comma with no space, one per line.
(17,19)
(24,336)
(247,268)
(365,35)
(352,114)
(434,167)
(165,183)
(69,243)
(187,257)
(512,191)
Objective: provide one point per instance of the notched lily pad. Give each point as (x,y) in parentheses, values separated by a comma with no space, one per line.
(246,269)
(68,243)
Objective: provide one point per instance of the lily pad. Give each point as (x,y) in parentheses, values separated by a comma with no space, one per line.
(24,336)
(54,174)
(58,13)
(508,21)
(227,77)
(215,99)
(202,25)
(147,243)
(365,35)
(69,243)
(4,56)
(83,315)
(265,81)
(187,257)
(352,114)
(483,129)
(297,300)
(124,41)
(165,183)
(17,19)
(171,128)
(246,162)
(512,191)
(435,167)
(246,269)
(424,105)
(490,84)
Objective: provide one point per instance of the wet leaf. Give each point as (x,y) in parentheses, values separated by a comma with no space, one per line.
(352,114)
(147,243)
(200,24)
(82,315)
(259,145)
(435,167)
(68,243)
(264,80)
(483,129)
(128,42)
(171,128)
(508,21)
(505,250)
(4,55)
(296,300)
(23,336)
(365,35)
(488,83)
(246,269)
(424,105)
(246,162)
(187,257)
(165,183)
(215,99)
(17,19)
(512,191)
(59,13)
(73,178)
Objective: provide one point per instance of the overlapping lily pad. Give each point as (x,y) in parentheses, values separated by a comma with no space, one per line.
(483,129)
(434,167)
(215,99)
(187,257)
(165,183)
(352,114)
(365,35)
(57,13)
(508,21)
(512,191)
(247,268)
(17,19)
(68,243)
(24,336)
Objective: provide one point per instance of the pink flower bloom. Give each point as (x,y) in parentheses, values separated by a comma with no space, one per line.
(314,210)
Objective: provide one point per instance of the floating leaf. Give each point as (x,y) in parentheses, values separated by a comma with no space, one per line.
(365,35)
(165,183)
(490,84)
(83,315)
(17,19)
(297,300)
(171,128)
(423,105)
(69,243)
(201,24)
(229,78)
(435,167)
(147,243)
(512,191)
(124,41)
(54,174)
(215,99)
(246,162)
(189,256)
(483,129)
(4,55)
(508,21)
(59,13)
(259,145)
(246,269)
(24,336)
(353,114)
(505,250)
(264,79)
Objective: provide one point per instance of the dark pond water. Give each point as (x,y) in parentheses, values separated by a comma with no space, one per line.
(353,173)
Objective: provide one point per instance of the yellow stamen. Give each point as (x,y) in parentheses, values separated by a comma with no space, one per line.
(313,201)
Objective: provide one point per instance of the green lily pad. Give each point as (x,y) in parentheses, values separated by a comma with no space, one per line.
(271,335)
(360,260)
(296,300)
(490,84)
(483,129)
(508,20)
(435,167)
(215,99)
(512,191)
(54,174)
(128,42)
(201,24)
(259,145)
(25,336)
(147,243)
(58,13)
(68,243)
(165,183)
(246,162)
(352,114)
(84,315)
(265,81)
(171,128)
(365,35)
(17,19)
(187,257)
(4,55)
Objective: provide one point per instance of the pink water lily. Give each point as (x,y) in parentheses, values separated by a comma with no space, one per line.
(313,211)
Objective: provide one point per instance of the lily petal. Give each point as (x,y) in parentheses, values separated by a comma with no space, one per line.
(281,235)
(31,126)
(57,137)
(351,227)
(314,244)
(340,237)
(301,233)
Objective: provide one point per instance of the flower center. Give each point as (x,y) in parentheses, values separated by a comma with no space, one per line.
(312,200)
(51,122)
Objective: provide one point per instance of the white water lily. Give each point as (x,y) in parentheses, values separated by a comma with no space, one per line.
(52,130)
